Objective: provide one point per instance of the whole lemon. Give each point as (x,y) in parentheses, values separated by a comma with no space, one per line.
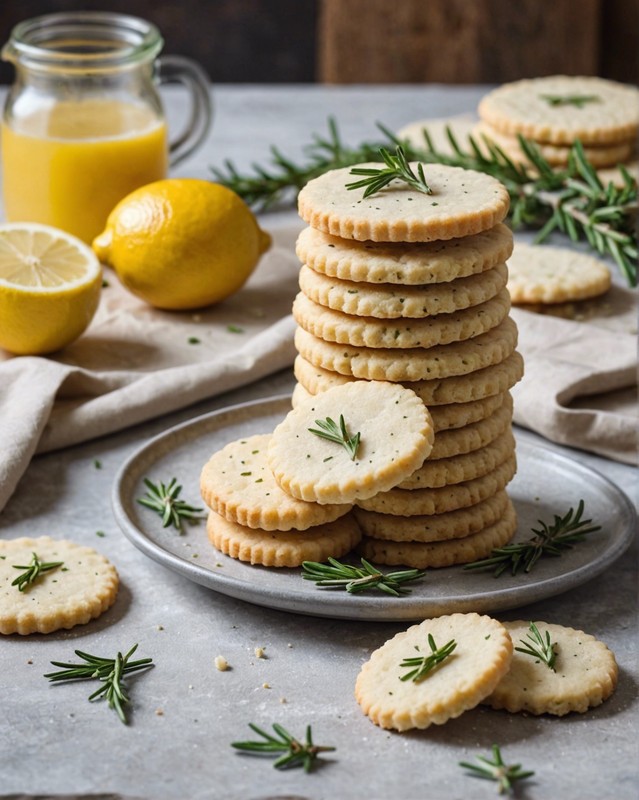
(182,243)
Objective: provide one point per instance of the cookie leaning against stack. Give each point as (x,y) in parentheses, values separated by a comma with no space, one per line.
(408,287)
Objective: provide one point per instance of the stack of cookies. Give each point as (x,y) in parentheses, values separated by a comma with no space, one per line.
(409,287)
(556,111)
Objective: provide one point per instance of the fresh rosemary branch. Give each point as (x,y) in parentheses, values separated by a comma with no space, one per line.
(164,500)
(549,540)
(572,201)
(329,430)
(422,665)
(496,770)
(539,647)
(355,579)
(108,670)
(294,753)
(397,167)
(33,570)
(577,100)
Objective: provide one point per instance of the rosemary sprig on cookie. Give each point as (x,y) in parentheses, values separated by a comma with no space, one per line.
(33,570)
(572,201)
(540,647)
(496,770)
(294,753)
(577,100)
(422,665)
(397,168)
(549,540)
(164,500)
(110,671)
(328,429)
(335,574)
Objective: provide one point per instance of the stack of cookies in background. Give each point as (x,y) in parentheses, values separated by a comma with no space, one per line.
(556,111)
(409,287)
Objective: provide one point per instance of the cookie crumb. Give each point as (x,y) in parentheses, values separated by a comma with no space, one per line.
(221,664)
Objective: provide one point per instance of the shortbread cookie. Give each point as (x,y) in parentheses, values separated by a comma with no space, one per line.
(283,548)
(395,437)
(335,326)
(544,274)
(237,483)
(477,385)
(79,590)
(389,301)
(422,555)
(383,364)
(557,155)
(457,441)
(404,263)
(481,657)
(585,673)
(540,109)
(434,527)
(300,395)
(462,203)
(462,468)
(408,502)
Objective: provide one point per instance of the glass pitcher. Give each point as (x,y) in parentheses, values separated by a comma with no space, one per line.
(83,123)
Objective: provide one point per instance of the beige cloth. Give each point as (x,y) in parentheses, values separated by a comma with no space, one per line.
(135,363)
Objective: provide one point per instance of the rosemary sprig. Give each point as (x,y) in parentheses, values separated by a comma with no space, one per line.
(422,665)
(539,646)
(397,167)
(335,574)
(571,201)
(497,770)
(577,100)
(33,570)
(110,671)
(549,540)
(328,429)
(164,500)
(294,753)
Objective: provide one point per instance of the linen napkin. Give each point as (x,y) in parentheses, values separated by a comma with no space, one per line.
(135,363)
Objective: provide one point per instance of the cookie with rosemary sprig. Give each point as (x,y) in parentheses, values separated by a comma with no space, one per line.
(555,670)
(47,584)
(433,671)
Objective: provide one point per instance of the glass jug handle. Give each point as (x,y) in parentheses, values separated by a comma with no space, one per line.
(184,71)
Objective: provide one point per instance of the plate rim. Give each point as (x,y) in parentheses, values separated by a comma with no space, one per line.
(376,608)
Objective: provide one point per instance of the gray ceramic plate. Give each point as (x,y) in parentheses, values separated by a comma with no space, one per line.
(545,485)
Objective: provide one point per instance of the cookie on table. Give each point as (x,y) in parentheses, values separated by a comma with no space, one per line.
(585,673)
(462,203)
(442,553)
(415,364)
(391,301)
(539,109)
(480,659)
(434,527)
(545,274)
(395,437)
(82,588)
(404,263)
(237,483)
(283,548)
(462,389)
(335,326)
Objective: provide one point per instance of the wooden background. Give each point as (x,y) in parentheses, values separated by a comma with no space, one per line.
(380,41)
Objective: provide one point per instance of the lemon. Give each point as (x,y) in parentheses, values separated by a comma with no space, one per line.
(182,243)
(49,288)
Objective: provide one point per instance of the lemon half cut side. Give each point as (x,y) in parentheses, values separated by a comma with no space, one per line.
(49,288)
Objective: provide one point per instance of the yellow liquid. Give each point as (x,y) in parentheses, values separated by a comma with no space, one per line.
(70,165)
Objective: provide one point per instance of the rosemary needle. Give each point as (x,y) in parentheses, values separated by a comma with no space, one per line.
(294,753)
(110,671)
(33,570)
(335,574)
(328,429)
(504,774)
(422,665)
(538,646)
(164,500)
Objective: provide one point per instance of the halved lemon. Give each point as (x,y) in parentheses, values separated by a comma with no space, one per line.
(49,288)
